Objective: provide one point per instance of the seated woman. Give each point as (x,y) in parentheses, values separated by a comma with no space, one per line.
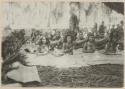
(29,47)
(43,47)
(89,46)
(68,45)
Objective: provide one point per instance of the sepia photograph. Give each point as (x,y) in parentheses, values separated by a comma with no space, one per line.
(68,44)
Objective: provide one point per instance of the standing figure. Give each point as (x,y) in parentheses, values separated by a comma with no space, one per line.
(74,22)
(121,36)
(102,29)
(74,25)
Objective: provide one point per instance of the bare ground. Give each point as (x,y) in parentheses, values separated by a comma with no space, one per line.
(103,75)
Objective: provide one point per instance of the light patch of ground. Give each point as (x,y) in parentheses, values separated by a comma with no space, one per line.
(78,59)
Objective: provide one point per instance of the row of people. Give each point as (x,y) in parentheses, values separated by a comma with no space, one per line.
(67,42)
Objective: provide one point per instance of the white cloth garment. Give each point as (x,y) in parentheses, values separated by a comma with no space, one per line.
(24,74)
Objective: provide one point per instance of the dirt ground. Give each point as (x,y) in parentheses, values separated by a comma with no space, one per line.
(80,70)
(104,75)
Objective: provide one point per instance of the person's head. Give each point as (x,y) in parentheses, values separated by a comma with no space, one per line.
(57,33)
(49,35)
(69,39)
(62,35)
(79,35)
(53,32)
(44,40)
(28,41)
(90,37)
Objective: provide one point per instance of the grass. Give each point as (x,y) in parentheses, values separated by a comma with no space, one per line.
(104,75)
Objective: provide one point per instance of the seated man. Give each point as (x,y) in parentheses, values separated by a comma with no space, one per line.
(58,49)
(68,45)
(89,46)
(79,41)
(55,40)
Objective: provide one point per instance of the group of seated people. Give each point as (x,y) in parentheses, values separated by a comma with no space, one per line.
(116,38)
(67,41)
(59,43)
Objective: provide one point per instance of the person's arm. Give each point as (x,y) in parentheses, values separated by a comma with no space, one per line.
(82,41)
